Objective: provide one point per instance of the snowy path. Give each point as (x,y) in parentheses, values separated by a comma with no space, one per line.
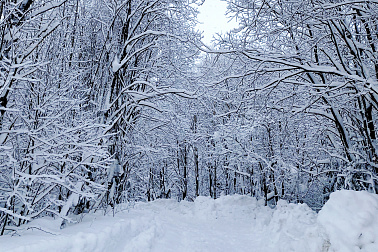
(179,232)
(231,223)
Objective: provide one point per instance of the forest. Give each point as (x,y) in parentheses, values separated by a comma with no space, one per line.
(110,101)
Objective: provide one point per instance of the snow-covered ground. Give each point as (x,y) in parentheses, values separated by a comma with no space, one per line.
(348,222)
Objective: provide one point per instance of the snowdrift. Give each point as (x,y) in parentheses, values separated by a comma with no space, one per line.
(350,220)
(347,222)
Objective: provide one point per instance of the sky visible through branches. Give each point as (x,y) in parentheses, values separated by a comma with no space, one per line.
(213,19)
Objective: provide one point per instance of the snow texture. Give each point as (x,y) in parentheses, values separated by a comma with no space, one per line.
(348,222)
(351,221)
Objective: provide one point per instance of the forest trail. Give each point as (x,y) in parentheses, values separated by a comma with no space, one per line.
(230,223)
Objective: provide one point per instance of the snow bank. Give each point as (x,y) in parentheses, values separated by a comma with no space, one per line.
(99,234)
(237,206)
(293,227)
(350,220)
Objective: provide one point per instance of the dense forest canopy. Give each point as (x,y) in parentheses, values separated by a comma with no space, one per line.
(111,101)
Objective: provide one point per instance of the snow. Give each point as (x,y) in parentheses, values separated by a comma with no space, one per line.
(116,65)
(351,220)
(347,222)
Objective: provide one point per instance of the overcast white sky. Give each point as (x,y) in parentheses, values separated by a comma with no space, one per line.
(213,20)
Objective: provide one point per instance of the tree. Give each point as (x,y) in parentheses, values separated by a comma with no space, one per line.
(52,158)
(322,55)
